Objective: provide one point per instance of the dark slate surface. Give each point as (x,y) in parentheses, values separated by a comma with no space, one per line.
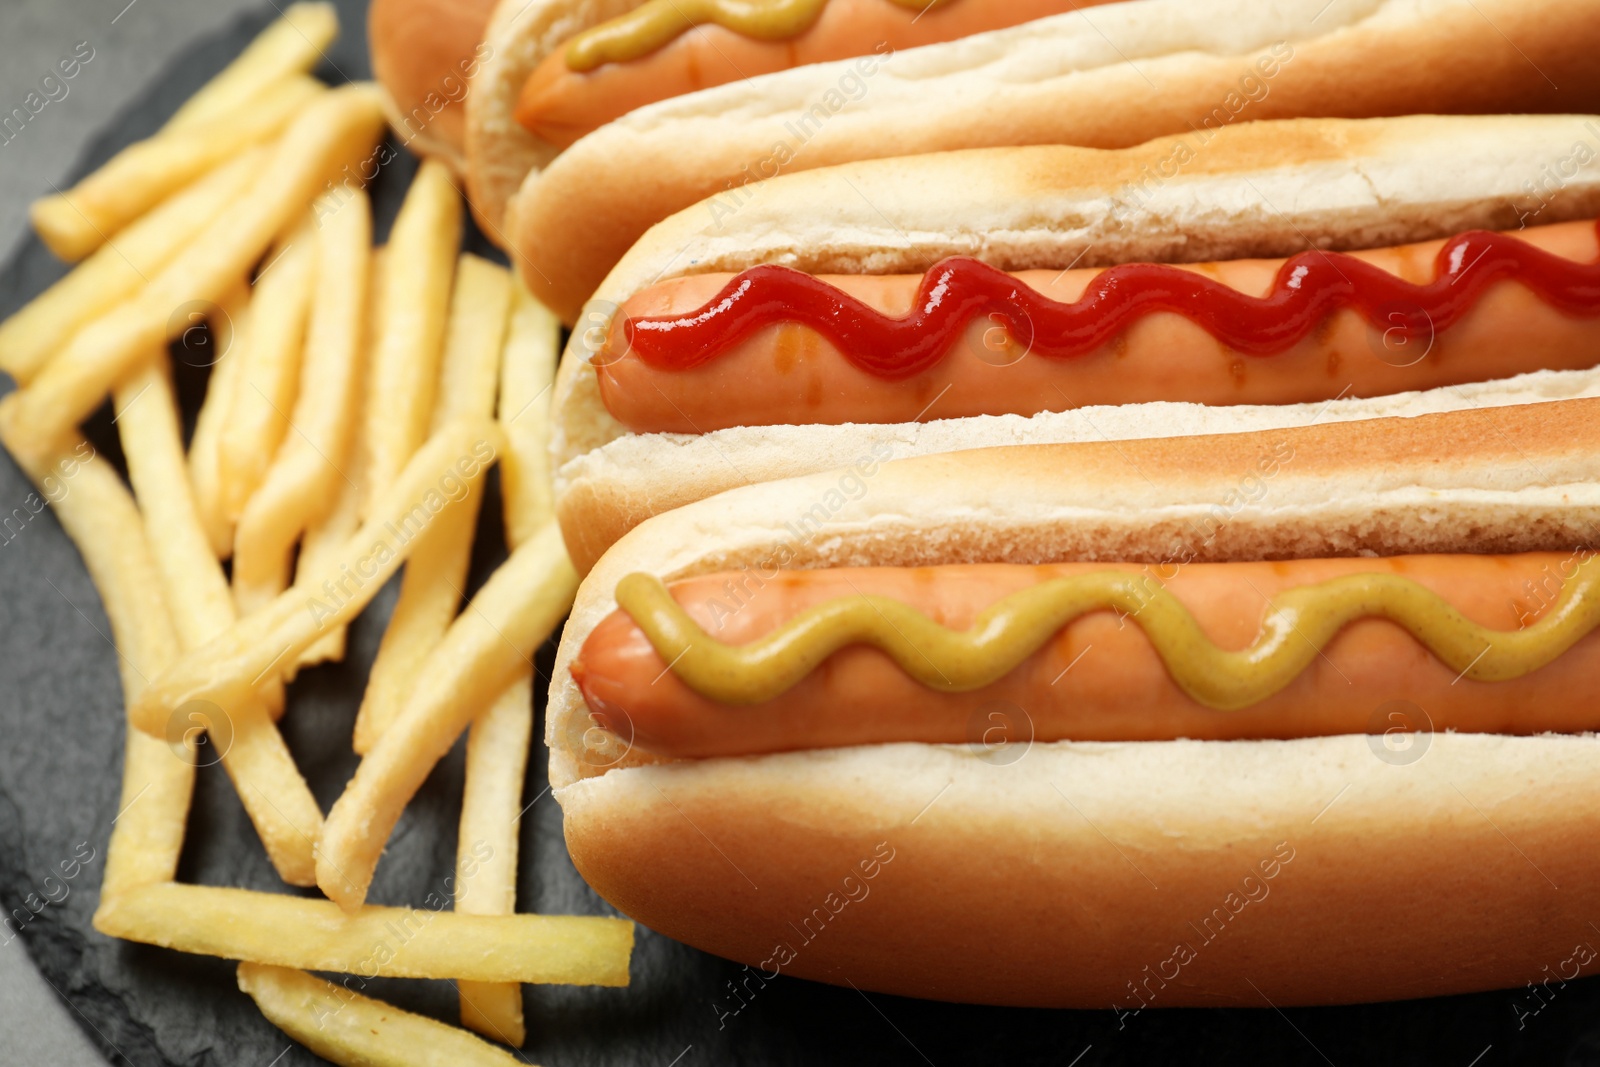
(61,716)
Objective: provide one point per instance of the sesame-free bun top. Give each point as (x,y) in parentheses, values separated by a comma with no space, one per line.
(423,54)
(500,152)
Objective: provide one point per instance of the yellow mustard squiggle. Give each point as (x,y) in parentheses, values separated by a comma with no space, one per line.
(1298,625)
(655,24)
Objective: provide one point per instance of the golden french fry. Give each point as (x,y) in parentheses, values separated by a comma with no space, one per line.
(497,746)
(426,942)
(430,590)
(273,793)
(269,369)
(74,223)
(485,648)
(153,813)
(527,369)
(326,537)
(340,123)
(319,552)
(474,330)
(412,306)
(493,1009)
(310,465)
(351,1030)
(291,45)
(448,469)
(232,327)
(430,594)
(193,584)
(322,543)
(491,815)
(100,517)
(30,338)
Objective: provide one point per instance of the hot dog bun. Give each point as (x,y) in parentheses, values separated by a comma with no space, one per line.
(1107,77)
(500,153)
(1057,879)
(521,35)
(561,105)
(422,56)
(1254,189)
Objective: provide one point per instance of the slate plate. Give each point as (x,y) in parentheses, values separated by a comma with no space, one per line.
(61,716)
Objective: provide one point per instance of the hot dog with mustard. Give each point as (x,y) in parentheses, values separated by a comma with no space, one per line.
(659,103)
(1078,691)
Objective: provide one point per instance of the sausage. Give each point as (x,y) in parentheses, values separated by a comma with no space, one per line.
(560,105)
(789,374)
(1099,678)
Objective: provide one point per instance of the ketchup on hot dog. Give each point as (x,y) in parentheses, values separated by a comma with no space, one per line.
(773,346)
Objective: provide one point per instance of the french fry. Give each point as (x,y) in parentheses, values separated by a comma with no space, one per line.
(491,812)
(274,795)
(326,537)
(430,594)
(291,45)
(100,517)
(485,649)
(31,337)
(147,837)
(430,590)
(342,123)
(473,334)
(309,466)
(449,468)
(351,1030)
(527,370)
(321,546)
(74,223)
(426,942)
(412,307)
(231,327)
(497,744)
(192,581)
(269,370)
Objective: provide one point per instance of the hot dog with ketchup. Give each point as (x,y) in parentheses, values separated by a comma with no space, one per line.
(771,345)
(1081,690)
(1336,268)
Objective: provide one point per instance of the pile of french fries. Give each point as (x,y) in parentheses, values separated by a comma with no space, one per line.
(349,420)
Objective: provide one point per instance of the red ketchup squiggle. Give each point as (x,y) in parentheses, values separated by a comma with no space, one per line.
(1308,288)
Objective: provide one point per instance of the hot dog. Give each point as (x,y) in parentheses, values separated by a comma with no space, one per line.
(579,88)
(1126,693)
(808,368)
(1115,754)
(536,102)
(667,114)
(1308,267)
(556,70)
